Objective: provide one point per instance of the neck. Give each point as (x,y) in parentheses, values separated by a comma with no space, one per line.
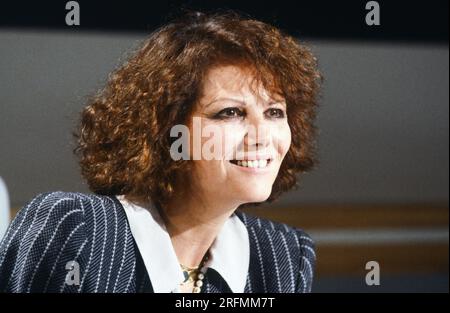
(193,225)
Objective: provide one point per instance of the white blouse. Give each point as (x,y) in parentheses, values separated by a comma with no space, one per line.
(229,253)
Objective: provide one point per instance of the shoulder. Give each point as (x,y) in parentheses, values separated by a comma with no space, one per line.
(50,225)
(50,230)
(63,208)
(45,212)
(270,228)
(53,208)
(292,248)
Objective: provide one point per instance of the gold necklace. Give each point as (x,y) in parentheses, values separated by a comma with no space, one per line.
(195,274)
(189,273)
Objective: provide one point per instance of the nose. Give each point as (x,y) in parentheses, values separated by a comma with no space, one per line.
(258,133)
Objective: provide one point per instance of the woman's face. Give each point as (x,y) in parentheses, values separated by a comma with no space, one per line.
(252,132)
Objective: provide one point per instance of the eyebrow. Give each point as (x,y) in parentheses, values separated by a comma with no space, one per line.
(243,103)
(225,99)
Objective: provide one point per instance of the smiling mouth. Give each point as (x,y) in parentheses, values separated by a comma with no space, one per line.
(263,163)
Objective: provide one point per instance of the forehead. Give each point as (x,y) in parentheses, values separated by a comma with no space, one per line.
(235,81)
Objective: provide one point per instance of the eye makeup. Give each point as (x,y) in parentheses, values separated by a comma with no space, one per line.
(236,112)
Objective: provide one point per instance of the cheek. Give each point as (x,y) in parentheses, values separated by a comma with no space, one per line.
(233,137)
(207,174)
(206,140)
(226,136)
(283,139)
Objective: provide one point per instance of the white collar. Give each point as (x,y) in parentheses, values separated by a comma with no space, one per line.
(229,253)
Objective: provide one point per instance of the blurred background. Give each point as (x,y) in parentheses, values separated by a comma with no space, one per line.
(380,192)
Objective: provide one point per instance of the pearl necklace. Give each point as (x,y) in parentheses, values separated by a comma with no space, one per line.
(195,274)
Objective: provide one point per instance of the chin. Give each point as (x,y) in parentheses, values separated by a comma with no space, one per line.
(257,195)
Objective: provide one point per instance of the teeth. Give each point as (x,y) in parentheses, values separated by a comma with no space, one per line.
(253,163)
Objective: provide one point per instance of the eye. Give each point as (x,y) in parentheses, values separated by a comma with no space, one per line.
(275,113)
(229,113)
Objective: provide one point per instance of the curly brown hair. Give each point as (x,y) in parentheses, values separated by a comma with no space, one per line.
(123,136)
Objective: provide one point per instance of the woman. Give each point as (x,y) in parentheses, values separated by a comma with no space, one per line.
(164,217)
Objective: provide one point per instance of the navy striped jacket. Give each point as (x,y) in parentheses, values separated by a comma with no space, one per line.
(56,228)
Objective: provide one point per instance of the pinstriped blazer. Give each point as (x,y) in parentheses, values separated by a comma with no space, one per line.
(57,228)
